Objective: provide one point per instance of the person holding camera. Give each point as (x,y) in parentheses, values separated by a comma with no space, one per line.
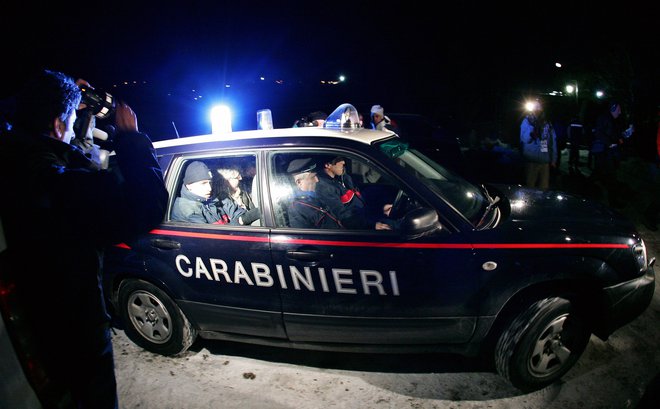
(58,213)
(539,148)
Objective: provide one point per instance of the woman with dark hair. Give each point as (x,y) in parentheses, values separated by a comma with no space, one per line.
(236,202)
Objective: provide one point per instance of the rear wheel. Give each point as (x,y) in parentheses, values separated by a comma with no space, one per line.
(541,344)
(152,320)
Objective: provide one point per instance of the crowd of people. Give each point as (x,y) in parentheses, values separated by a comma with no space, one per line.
(608,143)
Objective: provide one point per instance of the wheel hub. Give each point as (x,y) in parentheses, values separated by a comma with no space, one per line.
(151,316)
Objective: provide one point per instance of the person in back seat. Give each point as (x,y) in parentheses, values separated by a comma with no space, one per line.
(195,204)
(236,202)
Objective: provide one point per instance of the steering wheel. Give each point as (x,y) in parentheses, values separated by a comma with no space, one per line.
(397,205)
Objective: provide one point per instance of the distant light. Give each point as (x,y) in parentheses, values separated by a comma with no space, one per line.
(262,78)
(220,119)
(517,204)
(570,89)
(558,64)
(600,94)
(227,86)
(342,78)
(532,106)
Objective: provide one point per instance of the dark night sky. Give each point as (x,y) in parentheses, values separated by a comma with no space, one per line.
(407,59)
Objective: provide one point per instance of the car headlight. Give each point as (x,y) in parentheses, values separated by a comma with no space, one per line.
(639,251)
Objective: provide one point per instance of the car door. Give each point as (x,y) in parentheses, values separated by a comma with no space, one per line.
(218,273)
(369,286)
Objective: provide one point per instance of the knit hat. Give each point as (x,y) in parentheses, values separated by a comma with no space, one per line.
(377,109)
(195,172)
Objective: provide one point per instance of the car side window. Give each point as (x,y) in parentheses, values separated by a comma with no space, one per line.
(217,190)
(329,190)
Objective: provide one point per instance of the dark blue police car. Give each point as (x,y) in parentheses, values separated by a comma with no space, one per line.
(525,276)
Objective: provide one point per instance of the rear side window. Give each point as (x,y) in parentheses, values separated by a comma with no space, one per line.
(219,190)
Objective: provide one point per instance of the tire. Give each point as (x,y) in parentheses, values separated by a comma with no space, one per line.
(152,320)
(541,344)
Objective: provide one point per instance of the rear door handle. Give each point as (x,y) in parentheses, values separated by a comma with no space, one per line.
(165,244)
(308,255)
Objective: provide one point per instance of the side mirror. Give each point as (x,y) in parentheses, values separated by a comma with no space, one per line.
(420,222)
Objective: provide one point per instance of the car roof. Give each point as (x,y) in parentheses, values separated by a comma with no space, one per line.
(366,136)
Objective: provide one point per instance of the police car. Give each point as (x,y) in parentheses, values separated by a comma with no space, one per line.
(521,275)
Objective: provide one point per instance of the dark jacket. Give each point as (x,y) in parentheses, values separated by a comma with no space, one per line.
(192,208)
(606,133)
(249,213)
(58,213)
(343,199)
(306,211)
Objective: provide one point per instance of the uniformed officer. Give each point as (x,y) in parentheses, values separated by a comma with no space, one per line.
(336,190)
(306,210)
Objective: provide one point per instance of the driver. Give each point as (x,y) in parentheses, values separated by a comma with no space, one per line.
(337,191)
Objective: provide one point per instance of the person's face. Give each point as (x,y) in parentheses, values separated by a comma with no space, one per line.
(234,180)
(617,111)
(337,169)
(64,130)
(201,188)
(307,183)
(376,117)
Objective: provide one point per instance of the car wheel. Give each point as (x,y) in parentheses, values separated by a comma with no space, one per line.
(541,344)
(152,320)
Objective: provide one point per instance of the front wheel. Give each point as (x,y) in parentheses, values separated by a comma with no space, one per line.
(152,320)
(541,344)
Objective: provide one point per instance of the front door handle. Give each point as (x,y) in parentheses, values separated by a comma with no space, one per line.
(308,255)
(166,244)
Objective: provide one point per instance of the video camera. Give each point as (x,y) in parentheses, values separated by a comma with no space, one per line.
(98,104)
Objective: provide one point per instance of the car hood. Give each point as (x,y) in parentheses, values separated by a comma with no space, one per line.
(550,210)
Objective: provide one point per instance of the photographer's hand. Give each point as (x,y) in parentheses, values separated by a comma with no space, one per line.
(125,118)
(82,83)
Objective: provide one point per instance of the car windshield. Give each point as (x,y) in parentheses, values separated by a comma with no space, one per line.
(470,200)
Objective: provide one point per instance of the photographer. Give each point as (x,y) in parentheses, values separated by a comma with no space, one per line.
(58,213)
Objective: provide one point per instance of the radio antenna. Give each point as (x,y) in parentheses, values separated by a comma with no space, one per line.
(175,130)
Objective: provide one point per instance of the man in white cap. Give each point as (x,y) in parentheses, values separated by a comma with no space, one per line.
(380,121)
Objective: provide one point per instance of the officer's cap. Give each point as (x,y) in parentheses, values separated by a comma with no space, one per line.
(301,165)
